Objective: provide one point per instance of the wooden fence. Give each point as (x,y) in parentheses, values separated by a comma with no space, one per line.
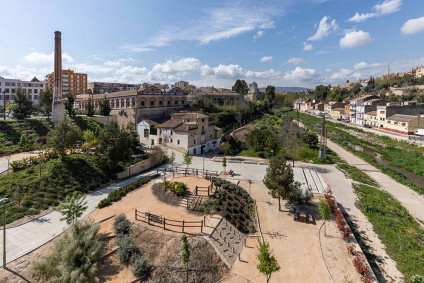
(175,170)
(153,219)
(208,189)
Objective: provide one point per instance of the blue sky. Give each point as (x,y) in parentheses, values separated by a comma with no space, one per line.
(284,43)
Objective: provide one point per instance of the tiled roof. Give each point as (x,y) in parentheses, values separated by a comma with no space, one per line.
(372,113)
(171,123)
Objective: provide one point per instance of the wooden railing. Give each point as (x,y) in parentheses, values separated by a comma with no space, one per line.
(175,170)
(153,219)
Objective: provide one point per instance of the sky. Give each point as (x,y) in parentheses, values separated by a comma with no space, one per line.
(213,43)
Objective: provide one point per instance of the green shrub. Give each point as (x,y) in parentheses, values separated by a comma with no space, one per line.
(121,225)
(140,268)
(127,249)
(180,189)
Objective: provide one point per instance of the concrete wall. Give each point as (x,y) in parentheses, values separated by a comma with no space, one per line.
(136,168)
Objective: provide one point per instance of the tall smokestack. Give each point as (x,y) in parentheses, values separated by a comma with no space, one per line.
(58,110)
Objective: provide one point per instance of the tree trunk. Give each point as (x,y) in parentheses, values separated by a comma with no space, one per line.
(279,203)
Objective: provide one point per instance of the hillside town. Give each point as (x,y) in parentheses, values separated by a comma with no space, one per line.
(226,141)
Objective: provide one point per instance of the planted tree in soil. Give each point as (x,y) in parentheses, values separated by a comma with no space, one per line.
(73,208)
(267,262)
(324,211)
(186,253)
(224,164)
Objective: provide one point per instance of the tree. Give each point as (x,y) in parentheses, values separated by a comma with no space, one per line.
(104,107)
(187,158)
(324,211)
(279,178)
(269,95)
(64,136)
(322,92)
(90,108)
(73,208)
(311,139)
(114,146)
(45,102)
(22,104)
(186,253)
(69,104)
(267,262)
(172,157)
(241,87)
(224,163)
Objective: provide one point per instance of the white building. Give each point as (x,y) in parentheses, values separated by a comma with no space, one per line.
(191,131)
(8,87)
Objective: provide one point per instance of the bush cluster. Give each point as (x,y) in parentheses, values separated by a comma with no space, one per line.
(123,191)
(127,250)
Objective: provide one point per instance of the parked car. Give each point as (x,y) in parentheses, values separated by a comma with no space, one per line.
(367,126)
(339,119)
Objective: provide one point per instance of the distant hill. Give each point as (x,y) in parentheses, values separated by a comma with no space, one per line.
(286,88)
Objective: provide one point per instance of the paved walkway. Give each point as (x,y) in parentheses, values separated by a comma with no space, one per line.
(411,200)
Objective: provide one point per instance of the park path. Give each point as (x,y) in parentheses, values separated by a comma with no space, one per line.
(27,237)
(410,199)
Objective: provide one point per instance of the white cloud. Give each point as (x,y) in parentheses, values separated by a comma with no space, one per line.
(324,29)
(259,34)
(344,74)
(295,60)
(307,46)
(364,65)
(44,58)
(413,26)
(387,7)
(265,59)
(302,75)
(171,70)
(328,70)
(355,39)
(215,24)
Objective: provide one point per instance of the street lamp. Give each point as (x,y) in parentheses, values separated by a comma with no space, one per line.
(272,153)
(4,201)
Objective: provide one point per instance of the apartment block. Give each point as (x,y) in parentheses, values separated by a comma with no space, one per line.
(75,83)
(102,87)
(8,87)
(383,112)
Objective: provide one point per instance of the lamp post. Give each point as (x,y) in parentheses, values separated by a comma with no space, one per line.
(4,201)
(272,153)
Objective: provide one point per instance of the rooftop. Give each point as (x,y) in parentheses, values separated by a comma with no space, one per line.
(401,117)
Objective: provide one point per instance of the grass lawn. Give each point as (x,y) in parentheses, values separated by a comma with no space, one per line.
(357,175)
(396,153)
(397,229)
(29,193)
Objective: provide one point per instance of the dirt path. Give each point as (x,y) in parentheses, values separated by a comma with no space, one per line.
(19,156)
(345,195)
(411,200)
(295,245)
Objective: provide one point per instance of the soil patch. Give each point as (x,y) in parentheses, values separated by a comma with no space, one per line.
(165,195)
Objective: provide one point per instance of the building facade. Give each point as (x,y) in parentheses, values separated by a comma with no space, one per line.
(194,132)
(8,88)
(404,124)
(75,83)
(102,88)
(384,111)
(181,84)
(133,105)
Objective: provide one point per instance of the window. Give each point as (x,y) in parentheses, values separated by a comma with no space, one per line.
(7,90)
(182,101)
(142,103)
(203,119)
(403,124)
(35,90)
(176,102)
(194,141)
(178,141)
(13,90)
(160,102)
(152,102)
(35,97)
(382,112)
(169,102)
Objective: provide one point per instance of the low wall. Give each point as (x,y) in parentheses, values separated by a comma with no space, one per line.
(105,120)
(137,168)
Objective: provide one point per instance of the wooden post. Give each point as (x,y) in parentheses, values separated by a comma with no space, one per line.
(201,227)
(195,191)
(135,214)
(148,218)
(164,221)
(183,226)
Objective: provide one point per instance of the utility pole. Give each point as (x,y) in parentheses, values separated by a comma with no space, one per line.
(322,154)
(4,201)
(4,104)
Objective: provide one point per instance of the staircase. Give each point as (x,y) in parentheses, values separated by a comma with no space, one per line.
(228,241)
(186,199)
